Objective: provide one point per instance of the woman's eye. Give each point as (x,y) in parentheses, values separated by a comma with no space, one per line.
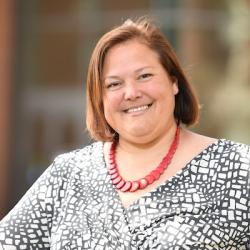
(145,76)
(112,85)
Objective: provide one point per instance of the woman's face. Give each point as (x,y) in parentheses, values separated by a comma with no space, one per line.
(138,93)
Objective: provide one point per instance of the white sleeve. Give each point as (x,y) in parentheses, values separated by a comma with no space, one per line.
(28,224)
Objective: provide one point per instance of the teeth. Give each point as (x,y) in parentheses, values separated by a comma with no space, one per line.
(137,109)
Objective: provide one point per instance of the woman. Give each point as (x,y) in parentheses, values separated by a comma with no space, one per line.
(148,183)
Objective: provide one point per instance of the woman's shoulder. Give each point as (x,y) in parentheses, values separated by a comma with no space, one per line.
(86,151)
(218,146)
(79,159)
(229,156)
(222,152)
(234,148)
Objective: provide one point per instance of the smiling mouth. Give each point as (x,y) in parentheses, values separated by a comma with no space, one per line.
(137,109)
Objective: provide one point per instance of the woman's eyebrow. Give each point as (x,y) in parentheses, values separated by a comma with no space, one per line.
(142,68)
(110,77)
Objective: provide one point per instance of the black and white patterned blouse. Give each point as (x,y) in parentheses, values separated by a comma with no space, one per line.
(73,205)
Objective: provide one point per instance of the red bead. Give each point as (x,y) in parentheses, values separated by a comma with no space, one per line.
(126,186)
(116,180)
(114,176)
(171,150)
(135,186)
(166,162)
(112,158)
(112,171)
(161,169)
(143,183)
(110,167)
(120,184)
(156,174)
(150,179)
(111,163)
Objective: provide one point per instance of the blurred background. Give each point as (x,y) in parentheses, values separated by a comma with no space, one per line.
(44,52)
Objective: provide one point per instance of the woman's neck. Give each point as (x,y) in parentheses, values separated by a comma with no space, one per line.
(157,144)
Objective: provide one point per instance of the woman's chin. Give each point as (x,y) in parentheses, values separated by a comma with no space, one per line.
(137,133)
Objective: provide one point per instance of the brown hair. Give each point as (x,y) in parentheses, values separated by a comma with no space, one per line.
(186,103)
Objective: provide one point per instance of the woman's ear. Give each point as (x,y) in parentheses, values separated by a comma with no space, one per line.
(175,85)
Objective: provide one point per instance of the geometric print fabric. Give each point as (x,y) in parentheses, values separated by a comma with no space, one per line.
(74,205)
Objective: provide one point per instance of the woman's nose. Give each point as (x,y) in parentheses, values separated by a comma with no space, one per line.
(132,92)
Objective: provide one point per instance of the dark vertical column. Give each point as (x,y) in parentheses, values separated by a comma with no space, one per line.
(6,87)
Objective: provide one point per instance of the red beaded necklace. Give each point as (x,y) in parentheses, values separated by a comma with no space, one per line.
(132,186)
